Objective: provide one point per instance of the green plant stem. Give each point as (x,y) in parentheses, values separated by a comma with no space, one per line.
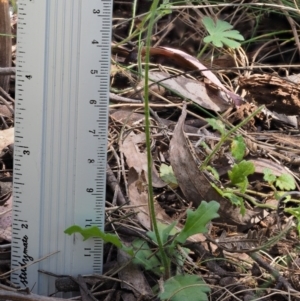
(253,201)
(165,260)
(138,31)
(133,16)
(202,51)
(271,34)
(226,136)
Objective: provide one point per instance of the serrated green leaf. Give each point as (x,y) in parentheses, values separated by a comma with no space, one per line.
(236,200)
(285,182)
(96,232)
(238,148)
(185,288)
(243,185)
(197,220)
(219,43)
(240,171)
(269,176)
(144,257)
(164,231)
(221,33)
(167,175)
(211,26)
(217,125)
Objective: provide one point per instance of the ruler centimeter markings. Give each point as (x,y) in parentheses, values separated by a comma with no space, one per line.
(61,117)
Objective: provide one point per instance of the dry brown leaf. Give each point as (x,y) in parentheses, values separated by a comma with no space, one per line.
(6,220)
(132,274)
(186,60)
(128,117)
(194,184)
(191,89)
(137,179)
(6,138)
(261,164)
(137,159)
(138,196)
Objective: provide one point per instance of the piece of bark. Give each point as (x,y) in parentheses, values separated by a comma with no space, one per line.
(5,42)
(276,93)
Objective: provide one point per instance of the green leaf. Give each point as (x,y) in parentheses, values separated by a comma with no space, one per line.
(96,232)
(240,171)
(269,176)
(296,213)
(221,33)
(167,174)
(236,200)
(197,220)
(213,171)
(185,288)
(180,257)
(238,148)
(164,8)
(164,232)
(144,257)
(217,125)
(220,191)
(243,185)
(285,182)
(293,211)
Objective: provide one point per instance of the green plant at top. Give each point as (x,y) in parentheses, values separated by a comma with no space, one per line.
(220,34)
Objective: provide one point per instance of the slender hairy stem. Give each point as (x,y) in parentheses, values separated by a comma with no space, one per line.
(165,260)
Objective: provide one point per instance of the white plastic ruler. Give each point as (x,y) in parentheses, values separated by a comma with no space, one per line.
(61,119)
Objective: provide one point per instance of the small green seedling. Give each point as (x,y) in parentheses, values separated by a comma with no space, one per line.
(221,33)
(168,176)
(283,182)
